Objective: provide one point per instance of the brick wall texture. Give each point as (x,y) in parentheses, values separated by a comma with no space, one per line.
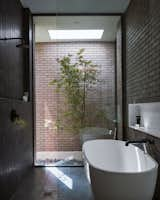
(143,62)
(49,102)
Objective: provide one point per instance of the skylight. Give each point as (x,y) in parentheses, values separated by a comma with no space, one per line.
(76,34)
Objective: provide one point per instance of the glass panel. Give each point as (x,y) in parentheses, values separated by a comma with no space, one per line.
(74,85)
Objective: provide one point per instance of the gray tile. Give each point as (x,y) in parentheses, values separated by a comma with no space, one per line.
(55,183)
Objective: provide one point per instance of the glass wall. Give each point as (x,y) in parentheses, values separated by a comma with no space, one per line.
(74,85)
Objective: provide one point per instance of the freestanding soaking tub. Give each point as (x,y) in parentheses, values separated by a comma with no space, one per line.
(119,172)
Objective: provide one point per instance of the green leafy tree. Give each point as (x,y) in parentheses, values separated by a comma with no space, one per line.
(77,75)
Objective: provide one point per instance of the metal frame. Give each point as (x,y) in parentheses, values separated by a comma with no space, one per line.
(33,67)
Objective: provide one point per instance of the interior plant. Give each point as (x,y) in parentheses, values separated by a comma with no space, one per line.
(77,74)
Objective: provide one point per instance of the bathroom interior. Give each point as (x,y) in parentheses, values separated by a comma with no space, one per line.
(79,100)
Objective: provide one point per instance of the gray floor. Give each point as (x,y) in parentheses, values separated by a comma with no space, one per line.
(55,183)
(59,163)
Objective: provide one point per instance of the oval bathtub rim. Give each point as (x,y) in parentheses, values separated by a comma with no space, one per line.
(121,172)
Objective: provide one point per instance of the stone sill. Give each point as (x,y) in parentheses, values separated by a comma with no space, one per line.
(153,132)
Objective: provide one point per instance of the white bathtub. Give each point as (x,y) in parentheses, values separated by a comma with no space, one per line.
(119,172)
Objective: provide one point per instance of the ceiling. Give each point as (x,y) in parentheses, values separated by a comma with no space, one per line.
(45,23)
(76,6)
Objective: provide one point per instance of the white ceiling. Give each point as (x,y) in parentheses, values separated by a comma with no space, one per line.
(76,6)
(45,23)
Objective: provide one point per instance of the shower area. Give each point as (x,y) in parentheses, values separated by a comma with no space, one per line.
(75,85)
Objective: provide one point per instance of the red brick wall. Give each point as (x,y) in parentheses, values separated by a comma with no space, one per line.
(49,102)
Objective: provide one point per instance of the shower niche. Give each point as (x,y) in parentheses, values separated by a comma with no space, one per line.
(145,117)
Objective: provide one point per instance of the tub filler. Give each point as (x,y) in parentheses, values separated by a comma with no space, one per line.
(119,172)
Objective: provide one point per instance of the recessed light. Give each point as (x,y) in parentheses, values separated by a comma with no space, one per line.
(76,34)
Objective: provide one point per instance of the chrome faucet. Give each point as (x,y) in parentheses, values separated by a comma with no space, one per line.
(142,141)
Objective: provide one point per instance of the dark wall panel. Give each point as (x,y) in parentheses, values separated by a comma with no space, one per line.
(15,146)
(142,22)
(143,50)
(16,141)
(119,84)
(11,57)
(11,70)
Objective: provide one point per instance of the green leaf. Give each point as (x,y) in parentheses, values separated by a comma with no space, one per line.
(53,82)
(77,73)
(81,51)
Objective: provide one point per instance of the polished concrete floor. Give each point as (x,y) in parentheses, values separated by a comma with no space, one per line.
(55,183)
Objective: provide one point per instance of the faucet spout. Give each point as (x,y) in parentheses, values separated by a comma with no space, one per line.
(142,141)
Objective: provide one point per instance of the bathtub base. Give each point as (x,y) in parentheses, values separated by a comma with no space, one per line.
(110,186)
(119,172)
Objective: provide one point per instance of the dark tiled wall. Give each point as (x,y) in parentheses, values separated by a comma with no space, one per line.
(16,142)
(142,22)
(16,155)
(119,99)
(143,50)
(11,26)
